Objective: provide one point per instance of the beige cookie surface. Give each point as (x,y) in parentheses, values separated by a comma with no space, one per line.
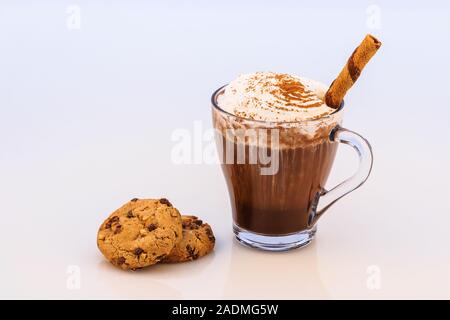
(140,233)
(198,240)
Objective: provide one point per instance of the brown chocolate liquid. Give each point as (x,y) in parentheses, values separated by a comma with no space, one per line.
(282,203)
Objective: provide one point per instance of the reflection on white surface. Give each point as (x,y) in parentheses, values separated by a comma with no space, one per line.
(137,286)
(278,275)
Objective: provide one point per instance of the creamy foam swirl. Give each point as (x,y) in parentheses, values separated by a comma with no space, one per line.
(273,96)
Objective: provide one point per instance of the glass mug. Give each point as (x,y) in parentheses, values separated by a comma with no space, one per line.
(276,173)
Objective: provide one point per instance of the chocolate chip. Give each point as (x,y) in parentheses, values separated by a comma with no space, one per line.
(190,250)
(176,234)
(165,201)
(210,235)
(134,199)
(198,222)
(130,214)
(120,261)
(189,225)
(111,221)
(152,227)
(118,229)
(138,251)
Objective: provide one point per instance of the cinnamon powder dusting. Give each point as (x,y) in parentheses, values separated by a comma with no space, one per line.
(291,90)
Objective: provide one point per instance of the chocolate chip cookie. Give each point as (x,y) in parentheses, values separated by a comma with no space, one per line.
(140,233)
(198,240)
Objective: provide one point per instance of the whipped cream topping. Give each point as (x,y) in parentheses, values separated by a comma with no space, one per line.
(278,97)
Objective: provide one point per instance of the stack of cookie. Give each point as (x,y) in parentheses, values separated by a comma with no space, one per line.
(144,232)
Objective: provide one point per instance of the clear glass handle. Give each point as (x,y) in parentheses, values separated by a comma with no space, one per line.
(364,150)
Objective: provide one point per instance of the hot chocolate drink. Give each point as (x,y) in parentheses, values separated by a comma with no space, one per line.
(290,123)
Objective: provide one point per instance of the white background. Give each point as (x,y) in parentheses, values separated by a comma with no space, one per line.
(86,118)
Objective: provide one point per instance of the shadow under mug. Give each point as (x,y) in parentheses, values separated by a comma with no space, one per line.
(276,174)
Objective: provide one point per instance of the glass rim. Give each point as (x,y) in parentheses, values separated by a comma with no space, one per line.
(217,92)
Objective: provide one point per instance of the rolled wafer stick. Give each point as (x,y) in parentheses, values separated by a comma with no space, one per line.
(351,71)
